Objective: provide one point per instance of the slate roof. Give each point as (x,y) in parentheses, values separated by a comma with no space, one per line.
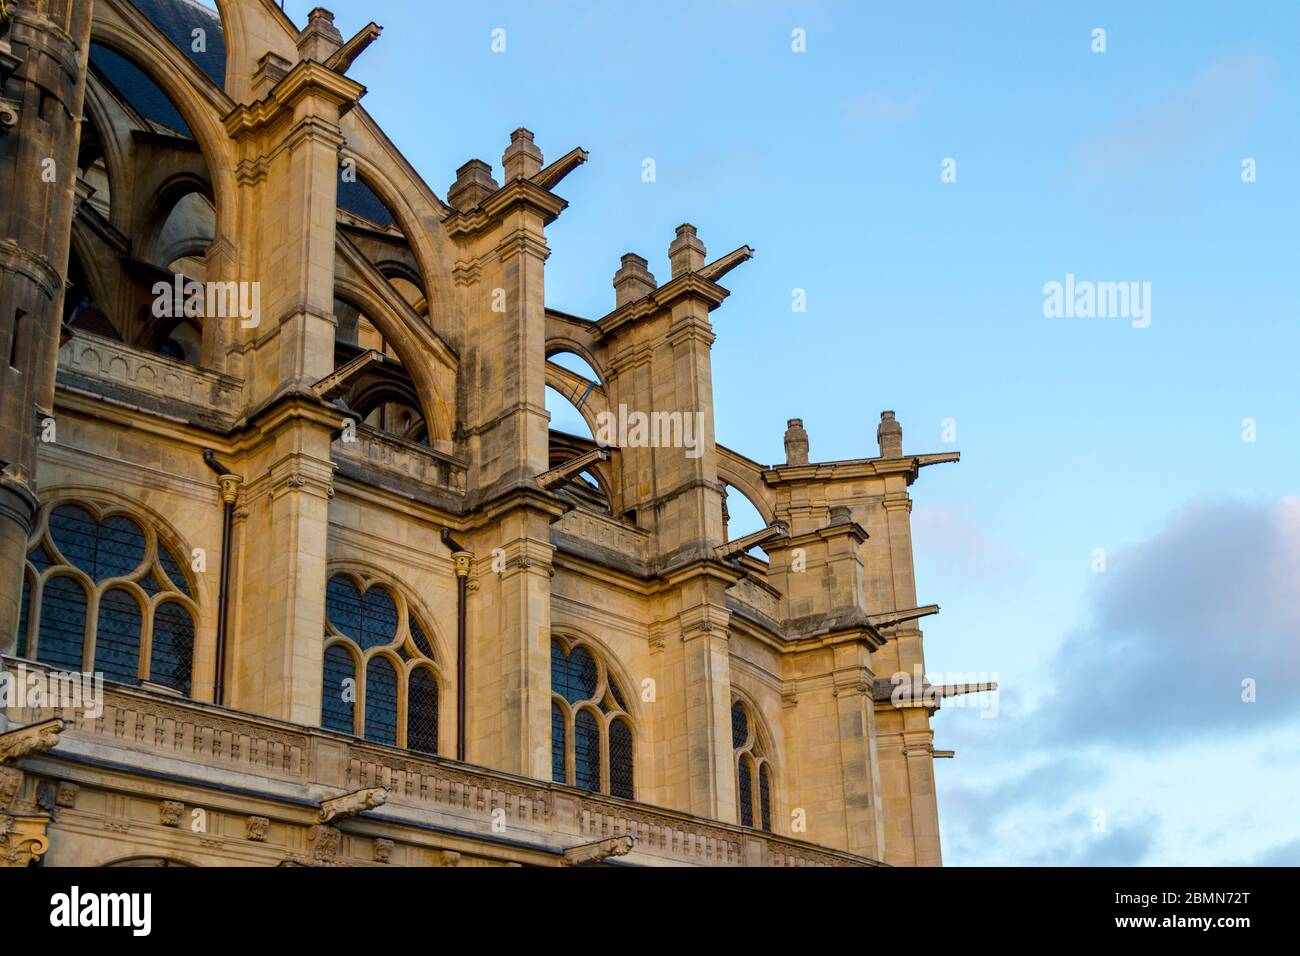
(178,19)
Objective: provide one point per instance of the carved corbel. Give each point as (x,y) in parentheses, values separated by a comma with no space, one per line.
(590,854)
(350,804)
(23,742)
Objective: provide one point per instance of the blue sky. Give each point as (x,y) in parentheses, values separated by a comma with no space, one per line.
(1121,690)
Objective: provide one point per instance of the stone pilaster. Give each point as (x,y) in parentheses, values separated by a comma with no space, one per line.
(501,248)
(282,548)
(660,388)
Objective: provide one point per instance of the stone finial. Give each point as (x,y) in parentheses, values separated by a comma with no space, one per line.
(889,435)
(686,253)
(319,39)
(473,184)
(796,443)
(633,280)
(522,159)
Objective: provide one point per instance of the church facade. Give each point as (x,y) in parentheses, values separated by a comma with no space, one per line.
(293,568)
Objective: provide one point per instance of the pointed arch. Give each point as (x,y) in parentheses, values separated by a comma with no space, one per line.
(427,359)
(417,211)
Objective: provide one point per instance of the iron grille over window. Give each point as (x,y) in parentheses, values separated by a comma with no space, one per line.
(103,592)
(592,744)
(380,679)
(753,770)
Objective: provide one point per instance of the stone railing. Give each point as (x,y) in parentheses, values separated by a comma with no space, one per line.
(604,532)
(757,597)
(207,745)
(95,357)
(389,455)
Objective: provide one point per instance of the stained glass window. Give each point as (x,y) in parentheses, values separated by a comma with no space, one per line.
(595,735)
(739,726)
(558,746)
(63,624)
(620,759)
(338,690)
(172,657)
(112,548)
(422,712)
(753,797)
(22,616)
(381,702)
(745,790)
(370,619)
(117,639)
(418,638)
(586,751)
(109,550)
(574,675)
(366,616)
(173,570)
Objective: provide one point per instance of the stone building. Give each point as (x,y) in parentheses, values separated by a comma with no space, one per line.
(277,464)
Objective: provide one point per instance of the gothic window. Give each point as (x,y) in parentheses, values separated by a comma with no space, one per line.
(753,769)
(591,733)
(104,592)
(380,679)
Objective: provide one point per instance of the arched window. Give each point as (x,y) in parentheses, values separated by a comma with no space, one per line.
(103,592)
(753,770)
(591,732)
(380,677)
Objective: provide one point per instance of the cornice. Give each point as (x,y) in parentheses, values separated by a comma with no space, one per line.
(307,78)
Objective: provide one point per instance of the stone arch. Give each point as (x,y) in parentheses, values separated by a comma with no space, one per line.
(148,861)
(417,212)
(155,208)
(566,383)
(198,101)
(115,161)
(417,348)
(747,477)
(565,335)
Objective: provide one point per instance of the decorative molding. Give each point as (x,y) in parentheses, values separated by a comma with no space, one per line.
(170,811)
(22,839)
(383,850)
(324,842)
(257,828)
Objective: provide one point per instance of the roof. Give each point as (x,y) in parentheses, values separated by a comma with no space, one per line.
(178,19)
